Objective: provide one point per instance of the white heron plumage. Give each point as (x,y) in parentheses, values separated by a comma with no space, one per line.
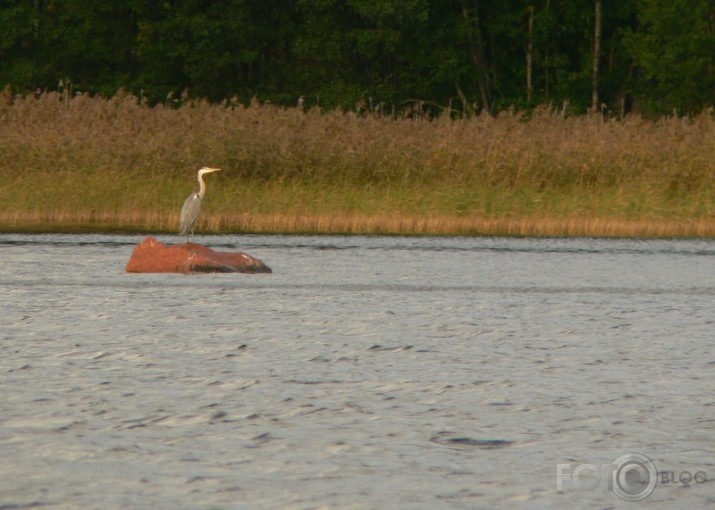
(192,205)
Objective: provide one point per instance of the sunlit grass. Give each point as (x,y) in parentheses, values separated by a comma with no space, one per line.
(115,164)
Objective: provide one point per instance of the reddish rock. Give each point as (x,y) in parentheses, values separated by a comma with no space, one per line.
(152,256)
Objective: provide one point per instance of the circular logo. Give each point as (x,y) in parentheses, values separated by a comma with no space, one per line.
(635,477)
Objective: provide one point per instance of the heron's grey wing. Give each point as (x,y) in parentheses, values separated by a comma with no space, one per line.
(189,213)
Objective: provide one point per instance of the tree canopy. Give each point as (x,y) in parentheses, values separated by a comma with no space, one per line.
(468,55)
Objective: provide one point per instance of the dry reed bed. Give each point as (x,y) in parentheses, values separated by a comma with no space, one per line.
(363,224)
(117,163)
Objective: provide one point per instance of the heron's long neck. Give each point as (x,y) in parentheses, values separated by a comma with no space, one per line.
(202,186)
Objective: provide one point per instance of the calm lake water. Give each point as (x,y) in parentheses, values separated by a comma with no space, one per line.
(366,372)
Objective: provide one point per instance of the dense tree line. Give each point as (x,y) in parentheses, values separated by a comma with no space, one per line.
(467,55)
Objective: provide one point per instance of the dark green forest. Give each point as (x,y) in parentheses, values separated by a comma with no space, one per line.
(468,56)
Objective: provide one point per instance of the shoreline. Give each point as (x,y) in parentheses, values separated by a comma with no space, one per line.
(362,224)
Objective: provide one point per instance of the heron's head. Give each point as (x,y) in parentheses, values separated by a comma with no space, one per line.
(208,170)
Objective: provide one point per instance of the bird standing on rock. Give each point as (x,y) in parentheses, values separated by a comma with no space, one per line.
(192,205)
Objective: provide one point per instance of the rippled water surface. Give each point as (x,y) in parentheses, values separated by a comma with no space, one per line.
(366,372)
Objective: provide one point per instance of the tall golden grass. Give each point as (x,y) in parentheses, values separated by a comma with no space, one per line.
(89,163)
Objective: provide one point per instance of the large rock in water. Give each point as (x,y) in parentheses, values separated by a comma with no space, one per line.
(152,256)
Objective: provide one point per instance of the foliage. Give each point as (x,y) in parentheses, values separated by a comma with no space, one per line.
(387,55)
(675,49)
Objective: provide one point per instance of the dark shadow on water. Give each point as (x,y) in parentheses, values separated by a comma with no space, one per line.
(221,282)
(386,243)
(456,441)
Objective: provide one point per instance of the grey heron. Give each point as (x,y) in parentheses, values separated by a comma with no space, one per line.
(192,206)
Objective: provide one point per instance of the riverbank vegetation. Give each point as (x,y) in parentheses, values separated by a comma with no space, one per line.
(89,163)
